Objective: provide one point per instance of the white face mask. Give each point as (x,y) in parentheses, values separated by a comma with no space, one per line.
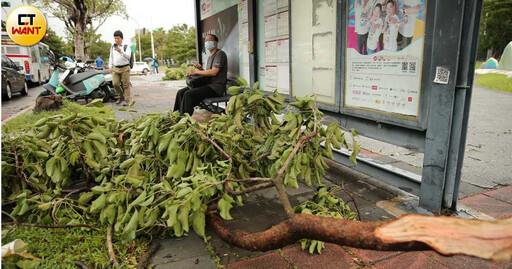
(209,45)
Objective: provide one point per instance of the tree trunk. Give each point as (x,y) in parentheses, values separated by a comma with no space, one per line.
(80,41)
(447,235)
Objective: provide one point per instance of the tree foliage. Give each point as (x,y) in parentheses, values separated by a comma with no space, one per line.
(178,43)
(163,171)
(82,17)
(56,44)
(495,30)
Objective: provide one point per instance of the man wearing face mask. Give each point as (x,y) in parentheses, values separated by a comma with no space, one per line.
(216,68)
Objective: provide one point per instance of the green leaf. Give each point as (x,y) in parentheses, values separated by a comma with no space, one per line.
(198,222)
(256,85)
(225,206)
(183,217)
(98,204)
(242,82)
(132,224)
(183,192)
(73,157)
(97,103)
(50,166)
(233,90)
(27,264)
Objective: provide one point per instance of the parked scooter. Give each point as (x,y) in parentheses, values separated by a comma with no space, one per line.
(86,85)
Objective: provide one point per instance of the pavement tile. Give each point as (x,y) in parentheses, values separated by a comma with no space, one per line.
(488,205)
(503,194)
(372,256)
(410,260)
(466,189)
(333,256)
(461,261)
(272,260)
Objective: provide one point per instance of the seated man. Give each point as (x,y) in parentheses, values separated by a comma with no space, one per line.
(216,68)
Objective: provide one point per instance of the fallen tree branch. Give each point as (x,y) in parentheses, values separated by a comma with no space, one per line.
(277,181)
(447,235)
(111,253)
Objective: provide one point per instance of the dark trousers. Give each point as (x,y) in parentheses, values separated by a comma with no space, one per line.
(361,43)
(187,98)
(403,41)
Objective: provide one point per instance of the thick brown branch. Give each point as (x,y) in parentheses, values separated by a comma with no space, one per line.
(446,235)
(111,253)
(81,156)
(277,181)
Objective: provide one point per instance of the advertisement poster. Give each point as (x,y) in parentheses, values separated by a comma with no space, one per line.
(225,26)
(385,41)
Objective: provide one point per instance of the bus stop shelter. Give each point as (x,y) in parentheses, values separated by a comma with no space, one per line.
(403,77)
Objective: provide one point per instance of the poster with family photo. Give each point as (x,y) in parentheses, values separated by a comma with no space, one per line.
(385,40)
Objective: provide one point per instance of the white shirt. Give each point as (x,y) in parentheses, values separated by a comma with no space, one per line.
(373,36)
(362,16)
(120,58)
(408,19)
(391,33)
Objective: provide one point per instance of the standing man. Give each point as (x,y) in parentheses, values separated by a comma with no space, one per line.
(119,66)
(216,68)
(99,63)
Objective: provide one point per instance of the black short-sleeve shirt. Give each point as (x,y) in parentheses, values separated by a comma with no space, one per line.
(218,82)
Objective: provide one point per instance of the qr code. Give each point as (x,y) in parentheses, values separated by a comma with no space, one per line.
(405,66)
(412,67)
(442,75)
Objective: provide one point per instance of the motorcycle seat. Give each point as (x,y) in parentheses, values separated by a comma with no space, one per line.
(81,76)
(105,72)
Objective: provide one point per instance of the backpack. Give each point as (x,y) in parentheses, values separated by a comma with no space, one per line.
(131,55)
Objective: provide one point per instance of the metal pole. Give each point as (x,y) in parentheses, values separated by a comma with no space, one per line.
(152,44)
(140,52)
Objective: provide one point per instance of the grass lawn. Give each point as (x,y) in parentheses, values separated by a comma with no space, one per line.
(26,121)
(60,248)
(495,81)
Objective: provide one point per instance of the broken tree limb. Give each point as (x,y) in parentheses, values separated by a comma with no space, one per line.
(490,240)
(446,235)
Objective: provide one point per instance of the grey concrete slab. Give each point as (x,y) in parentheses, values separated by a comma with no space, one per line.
(179,248)
(202,262)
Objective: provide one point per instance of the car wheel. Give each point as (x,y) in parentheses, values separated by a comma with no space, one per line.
(145,72)
(39,82)
(8,92)
(24,91)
